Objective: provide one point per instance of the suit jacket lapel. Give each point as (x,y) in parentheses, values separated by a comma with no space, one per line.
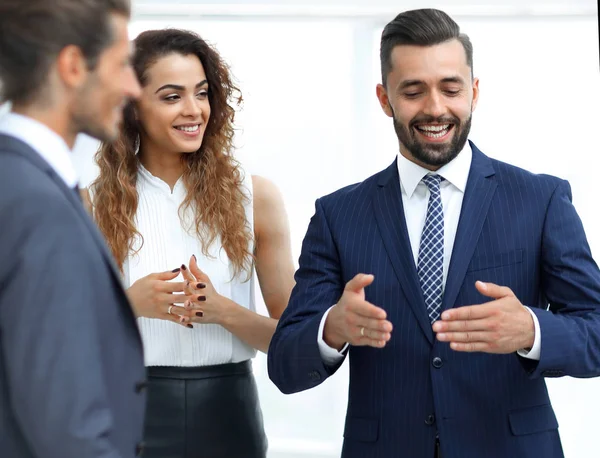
(77,203)
(25,150)
(389,214)
(481,187)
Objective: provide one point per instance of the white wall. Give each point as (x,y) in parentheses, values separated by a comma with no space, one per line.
(311,124)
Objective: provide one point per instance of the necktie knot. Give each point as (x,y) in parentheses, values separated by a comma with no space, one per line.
(432,181)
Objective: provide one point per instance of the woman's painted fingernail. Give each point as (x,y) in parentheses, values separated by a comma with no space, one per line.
(200,314)
(190,326)
(176,270)
(200,286)
(201,298)
(183,267)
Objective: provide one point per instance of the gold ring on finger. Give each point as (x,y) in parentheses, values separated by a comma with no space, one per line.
(362,331)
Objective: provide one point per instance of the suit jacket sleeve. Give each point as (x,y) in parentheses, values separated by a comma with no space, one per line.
(294,359)
(570,329)
(50,335)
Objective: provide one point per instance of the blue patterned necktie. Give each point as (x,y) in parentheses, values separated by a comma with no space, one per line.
(430,265)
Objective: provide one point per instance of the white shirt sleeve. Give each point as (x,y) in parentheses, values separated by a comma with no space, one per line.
(330,356)
(535,351)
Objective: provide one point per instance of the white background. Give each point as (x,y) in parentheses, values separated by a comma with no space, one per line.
(311,123)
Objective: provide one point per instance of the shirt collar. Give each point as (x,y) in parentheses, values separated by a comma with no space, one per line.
(47,143)
(456,172)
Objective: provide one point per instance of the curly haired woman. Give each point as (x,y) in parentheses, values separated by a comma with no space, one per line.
(170,194)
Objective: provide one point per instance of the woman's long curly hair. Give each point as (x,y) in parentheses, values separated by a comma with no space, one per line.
(211,175)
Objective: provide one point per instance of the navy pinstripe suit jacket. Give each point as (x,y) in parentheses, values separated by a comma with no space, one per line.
(516,229)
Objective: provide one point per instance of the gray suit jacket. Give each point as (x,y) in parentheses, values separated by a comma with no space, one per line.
(71,364)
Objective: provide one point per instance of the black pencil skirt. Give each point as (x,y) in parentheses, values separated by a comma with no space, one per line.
(203,412)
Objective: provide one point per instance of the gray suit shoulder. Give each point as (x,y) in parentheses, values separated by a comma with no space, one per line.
(21,180)
(33,208)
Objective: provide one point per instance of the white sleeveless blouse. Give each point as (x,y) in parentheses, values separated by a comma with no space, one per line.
(167,245)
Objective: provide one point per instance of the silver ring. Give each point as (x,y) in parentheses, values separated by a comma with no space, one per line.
(362,331)
(170,308)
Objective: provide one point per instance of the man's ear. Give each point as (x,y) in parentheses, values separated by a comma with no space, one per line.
(71,67)
(383,100)
(475,94)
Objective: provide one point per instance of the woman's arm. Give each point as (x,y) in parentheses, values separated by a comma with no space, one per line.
(274,264)
(274,267)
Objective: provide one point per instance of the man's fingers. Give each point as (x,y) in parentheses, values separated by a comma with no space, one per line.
(362,333)
(365,309)
(465,337)
(492,290)
(359,282)
(367,341)
(470,312)
(362,330)
(470,347)
(373,324)
(461,325)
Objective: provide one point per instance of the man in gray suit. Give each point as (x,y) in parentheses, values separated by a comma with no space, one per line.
(71,363)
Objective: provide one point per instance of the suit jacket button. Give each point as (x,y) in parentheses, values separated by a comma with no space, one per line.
(140,386)
(314,376)
(430,420)
(437,362)
(139,449)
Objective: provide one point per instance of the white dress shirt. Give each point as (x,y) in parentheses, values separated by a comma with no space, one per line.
(167,243)
(415,198)
(47,143)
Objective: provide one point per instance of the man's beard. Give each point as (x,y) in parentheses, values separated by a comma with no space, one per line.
(433,154)
(87,114)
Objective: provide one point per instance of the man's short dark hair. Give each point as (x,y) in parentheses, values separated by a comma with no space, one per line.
(424,27)
(33,32)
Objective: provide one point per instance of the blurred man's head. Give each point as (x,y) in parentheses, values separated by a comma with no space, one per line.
(427,85)
(69,57)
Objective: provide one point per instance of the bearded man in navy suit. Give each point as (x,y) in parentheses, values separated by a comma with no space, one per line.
(455,283)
